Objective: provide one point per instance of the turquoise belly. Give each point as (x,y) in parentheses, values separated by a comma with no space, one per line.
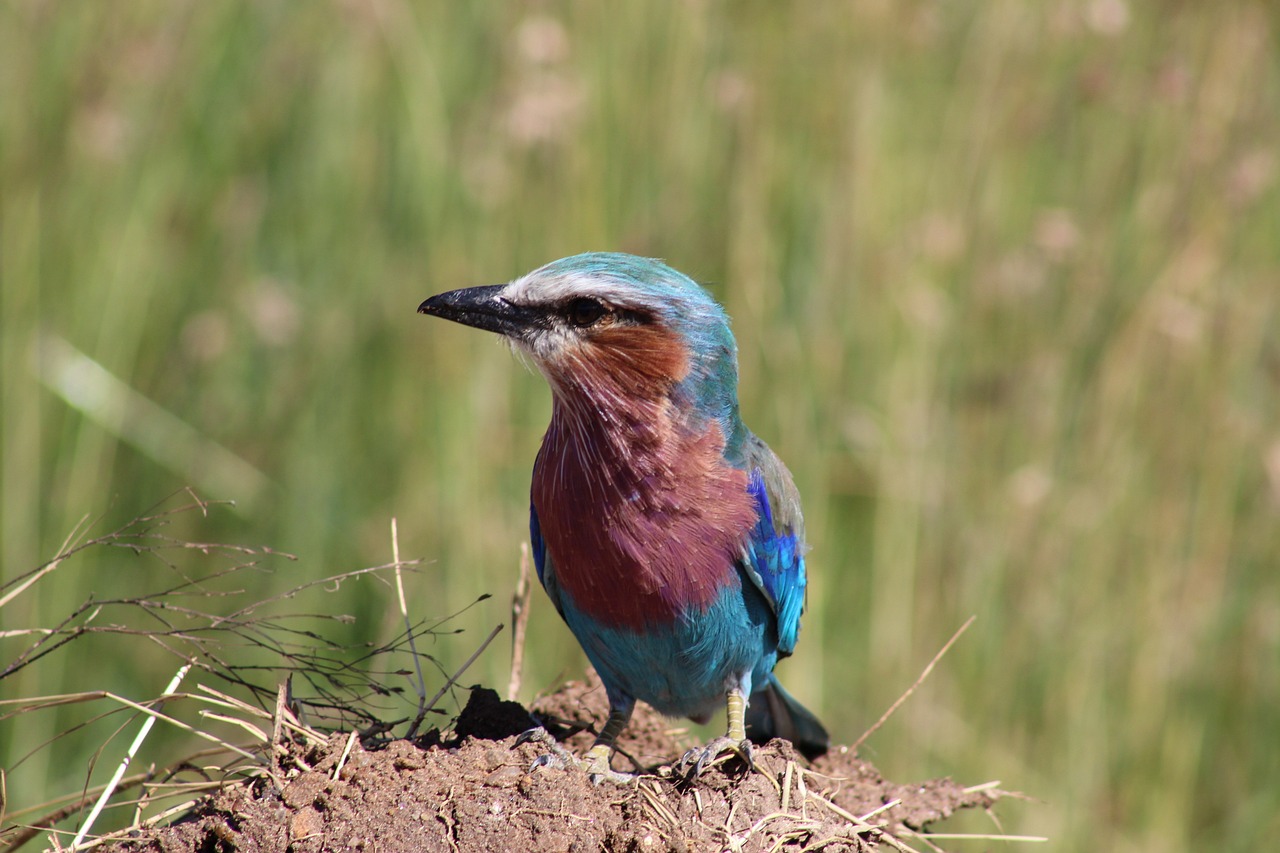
(684,668)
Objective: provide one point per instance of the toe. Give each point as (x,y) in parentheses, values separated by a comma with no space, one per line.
(598,770)
(556,757)
(595,763)
(537,734)
(548,759)
(707,756)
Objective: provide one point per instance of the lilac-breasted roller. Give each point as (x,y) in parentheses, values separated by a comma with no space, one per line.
(667,535)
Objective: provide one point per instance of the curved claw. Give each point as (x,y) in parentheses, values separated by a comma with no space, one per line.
(548,759)
(537,734)
(710,754)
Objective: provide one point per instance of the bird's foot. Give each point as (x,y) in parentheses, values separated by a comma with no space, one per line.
(595,763)
(559,757)
(710,755)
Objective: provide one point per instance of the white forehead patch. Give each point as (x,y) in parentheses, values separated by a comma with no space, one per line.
(542,288)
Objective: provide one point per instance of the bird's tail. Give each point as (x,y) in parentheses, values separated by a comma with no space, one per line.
(773,712)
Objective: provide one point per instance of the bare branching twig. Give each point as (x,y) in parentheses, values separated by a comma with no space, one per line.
(261,651)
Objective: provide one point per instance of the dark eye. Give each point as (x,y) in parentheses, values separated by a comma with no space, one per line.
(584,311)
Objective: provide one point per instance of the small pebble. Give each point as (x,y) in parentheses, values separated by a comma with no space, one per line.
(505,777)
(305,823)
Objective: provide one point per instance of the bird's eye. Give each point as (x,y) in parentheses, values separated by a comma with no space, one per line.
(584,311)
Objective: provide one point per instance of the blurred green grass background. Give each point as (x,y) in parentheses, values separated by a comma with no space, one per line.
(1005,279)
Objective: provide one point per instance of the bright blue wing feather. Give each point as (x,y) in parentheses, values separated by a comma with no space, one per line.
(774,552)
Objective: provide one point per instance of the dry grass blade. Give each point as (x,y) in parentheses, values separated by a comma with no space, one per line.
(287,721)
(881,809)
(760,824)
(76,803)
(128,758)
(249,728)
(985,786)
(190,729)
(973,836)
(151,821)
(659,808)
(420,684)
(863,825)
(920,680)
(346,753)
(63,552)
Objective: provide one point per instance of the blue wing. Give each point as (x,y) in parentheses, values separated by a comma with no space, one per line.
(542,562)
(774,551)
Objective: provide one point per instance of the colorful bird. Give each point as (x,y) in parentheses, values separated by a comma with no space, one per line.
(667,535)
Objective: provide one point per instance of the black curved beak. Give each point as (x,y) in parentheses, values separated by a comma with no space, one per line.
(484,308)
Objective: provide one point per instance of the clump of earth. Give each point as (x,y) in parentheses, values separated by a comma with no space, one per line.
(473,789)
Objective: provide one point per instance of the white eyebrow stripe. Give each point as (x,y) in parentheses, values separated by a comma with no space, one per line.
(535,289)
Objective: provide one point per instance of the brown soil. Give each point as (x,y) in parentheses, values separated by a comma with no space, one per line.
(473,790)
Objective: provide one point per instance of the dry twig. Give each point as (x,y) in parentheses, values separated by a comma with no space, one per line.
(912,689)
(519,622)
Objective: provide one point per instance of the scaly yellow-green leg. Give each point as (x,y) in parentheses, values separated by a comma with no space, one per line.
(733,742)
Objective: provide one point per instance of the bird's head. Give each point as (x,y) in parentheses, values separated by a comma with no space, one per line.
(611,326)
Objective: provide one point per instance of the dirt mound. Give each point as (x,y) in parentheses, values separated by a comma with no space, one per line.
(474,791)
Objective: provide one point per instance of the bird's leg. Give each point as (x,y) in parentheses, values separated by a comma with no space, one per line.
(596,759)
(595,762)
(733,741)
